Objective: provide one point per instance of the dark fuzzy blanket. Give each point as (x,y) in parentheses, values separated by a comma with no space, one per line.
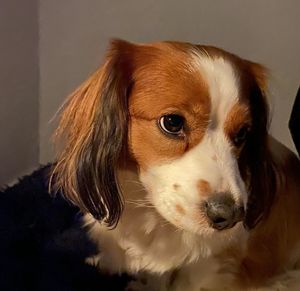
(42,246)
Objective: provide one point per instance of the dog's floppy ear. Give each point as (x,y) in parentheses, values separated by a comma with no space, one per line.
(93,128)
(261,170)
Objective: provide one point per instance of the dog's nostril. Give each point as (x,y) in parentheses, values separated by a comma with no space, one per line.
(219,220)
(222,211)
(220,216)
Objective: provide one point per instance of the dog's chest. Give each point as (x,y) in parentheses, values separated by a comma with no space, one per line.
(147,257)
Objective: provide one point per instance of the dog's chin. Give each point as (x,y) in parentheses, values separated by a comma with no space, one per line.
(204,229)
(212,239)
(210,232)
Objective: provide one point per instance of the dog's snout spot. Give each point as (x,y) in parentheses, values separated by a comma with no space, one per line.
(203,187)
(176,186)
(180,209)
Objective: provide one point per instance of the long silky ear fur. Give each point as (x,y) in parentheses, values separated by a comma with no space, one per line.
(93,129)
(261,169)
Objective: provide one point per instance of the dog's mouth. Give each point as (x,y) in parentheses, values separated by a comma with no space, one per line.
(222,224)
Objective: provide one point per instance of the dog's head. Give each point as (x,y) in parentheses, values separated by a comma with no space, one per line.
(191,119)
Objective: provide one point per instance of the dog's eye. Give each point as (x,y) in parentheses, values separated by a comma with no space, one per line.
(241,136)
(172,124)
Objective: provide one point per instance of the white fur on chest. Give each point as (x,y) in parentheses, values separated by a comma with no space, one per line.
(144,243)
(153,256)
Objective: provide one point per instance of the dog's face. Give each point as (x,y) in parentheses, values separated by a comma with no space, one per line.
(190,118)
(193,121)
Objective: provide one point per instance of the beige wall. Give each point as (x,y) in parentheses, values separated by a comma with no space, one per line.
(18,88)
(74,35)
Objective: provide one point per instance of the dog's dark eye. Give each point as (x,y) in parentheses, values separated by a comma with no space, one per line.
(172,124)
(241,136)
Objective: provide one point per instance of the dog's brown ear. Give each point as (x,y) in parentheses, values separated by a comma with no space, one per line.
(93,129)
(261,170)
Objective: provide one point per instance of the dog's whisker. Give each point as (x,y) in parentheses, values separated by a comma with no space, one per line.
(145,200)
(166,225)
(134,182)
(143,206)
(138,191)
(140,203)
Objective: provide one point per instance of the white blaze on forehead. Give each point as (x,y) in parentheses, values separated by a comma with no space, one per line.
(222,82)
(223,86)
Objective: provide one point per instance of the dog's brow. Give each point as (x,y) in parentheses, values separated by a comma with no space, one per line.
(138,116)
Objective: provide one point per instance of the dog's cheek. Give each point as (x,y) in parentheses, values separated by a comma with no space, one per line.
(169,198)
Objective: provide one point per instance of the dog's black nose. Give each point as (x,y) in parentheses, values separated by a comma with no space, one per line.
(222,211)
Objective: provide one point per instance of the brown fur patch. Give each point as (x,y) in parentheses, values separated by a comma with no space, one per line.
(166,86)
(176,186)
(204,188)
(238,116)
(180,209)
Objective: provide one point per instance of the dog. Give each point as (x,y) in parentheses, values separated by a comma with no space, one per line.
(166,150)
